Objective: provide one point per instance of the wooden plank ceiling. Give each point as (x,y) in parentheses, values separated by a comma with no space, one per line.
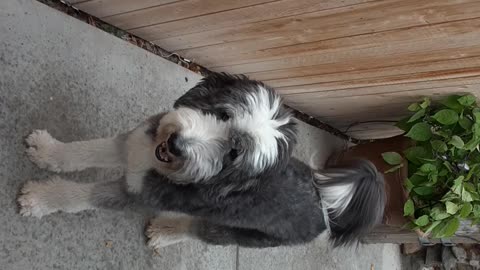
(342,61)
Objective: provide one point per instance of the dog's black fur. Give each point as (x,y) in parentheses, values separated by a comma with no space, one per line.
(282,209)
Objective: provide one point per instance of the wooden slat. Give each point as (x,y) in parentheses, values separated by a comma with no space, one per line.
(453,35)
(103,8)
(346,89)
(324,25)
(351,105)
(178,12)
(354,105)
(428,68)
(358,61)
(349,101)
(268,11)
(278,31)
(384,81)
(413,60)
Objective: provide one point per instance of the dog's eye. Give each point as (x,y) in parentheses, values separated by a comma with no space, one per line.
(224,116)
(233,153)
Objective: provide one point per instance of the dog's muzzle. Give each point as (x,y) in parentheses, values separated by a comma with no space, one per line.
(166,151)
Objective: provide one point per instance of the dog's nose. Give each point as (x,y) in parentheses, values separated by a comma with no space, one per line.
(173,146)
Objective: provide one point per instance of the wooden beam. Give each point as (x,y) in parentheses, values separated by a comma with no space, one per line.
(104,8)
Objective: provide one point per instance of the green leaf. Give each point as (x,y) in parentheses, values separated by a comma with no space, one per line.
(472,144)
(439,146)
(436,232)
(433,176)
(451,208)
(457,142)
(476,129)
(476,114)
(428,168)
(392,158)
(432,226)
(457,185)
(449,196)
(414,153)
(393,169)
(448,166)
(465,123)
(408,208)
(452,103)
(426,102)
(427,159)
(473,170)
(424,191)
(422,221)
(466,196)
(418,179)
(403,124)
(438,213)
(442,133)
(467,100)
(419,114)
(410,226)
(408,185)
(420,132)
(475,196)
(443,172)
(414,107)
(451,227)
(469,187)
(466,210)
(476,210)
(446,117)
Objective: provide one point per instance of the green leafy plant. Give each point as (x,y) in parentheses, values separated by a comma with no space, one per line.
(443,165)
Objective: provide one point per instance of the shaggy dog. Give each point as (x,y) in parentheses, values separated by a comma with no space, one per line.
(220,161)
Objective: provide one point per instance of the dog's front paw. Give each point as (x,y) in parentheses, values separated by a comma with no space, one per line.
(164,232)
(32,200)
(43,150)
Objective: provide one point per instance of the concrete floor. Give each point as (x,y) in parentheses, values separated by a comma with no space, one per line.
(78,82)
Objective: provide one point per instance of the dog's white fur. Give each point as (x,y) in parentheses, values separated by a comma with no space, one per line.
(168,229)
(206,133)
(259,121)
(49,153)
(140,157)
(38,199)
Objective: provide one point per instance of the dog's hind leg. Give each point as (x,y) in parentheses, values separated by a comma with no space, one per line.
(166,231)
(56,194)
(224,235)
(48,153)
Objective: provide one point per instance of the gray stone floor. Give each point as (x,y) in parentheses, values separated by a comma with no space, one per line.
(78,82)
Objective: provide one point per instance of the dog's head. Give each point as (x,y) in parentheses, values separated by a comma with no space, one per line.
(225,127)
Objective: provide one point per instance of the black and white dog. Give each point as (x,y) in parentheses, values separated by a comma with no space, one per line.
(220,161)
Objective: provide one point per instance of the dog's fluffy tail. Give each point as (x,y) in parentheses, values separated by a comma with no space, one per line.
(354,196)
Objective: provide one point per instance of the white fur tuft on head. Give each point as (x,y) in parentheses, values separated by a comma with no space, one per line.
(260,121)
